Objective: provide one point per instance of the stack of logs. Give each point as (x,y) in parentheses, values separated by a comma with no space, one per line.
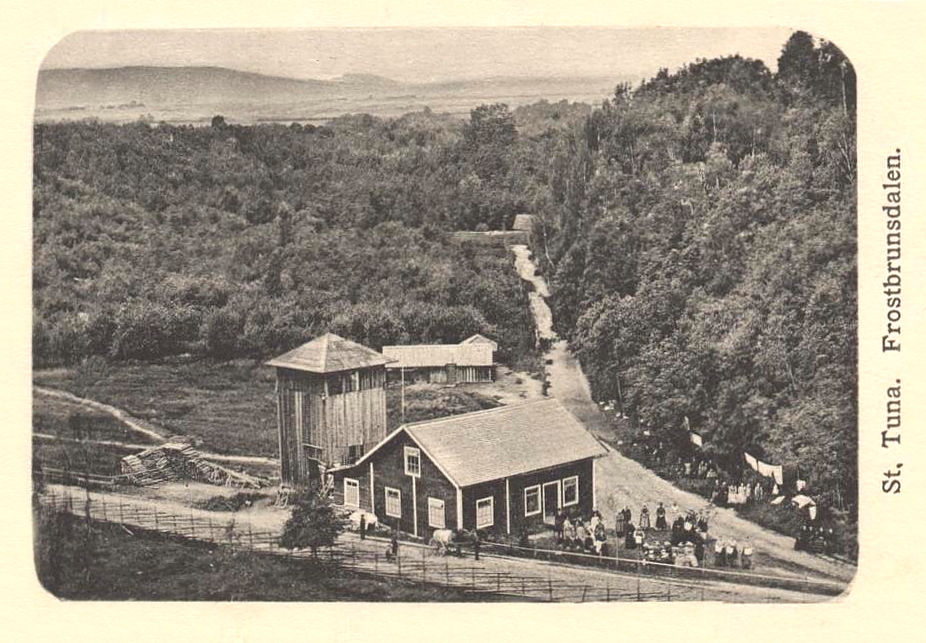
(180,461)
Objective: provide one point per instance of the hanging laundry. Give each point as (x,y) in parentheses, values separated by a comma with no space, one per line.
(695,438)
(778,474)
(764,469)
(800,484)
(751,461)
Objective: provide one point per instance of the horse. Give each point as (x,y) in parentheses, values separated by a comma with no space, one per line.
(441,540)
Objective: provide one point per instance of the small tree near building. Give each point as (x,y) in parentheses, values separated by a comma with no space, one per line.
(313,523)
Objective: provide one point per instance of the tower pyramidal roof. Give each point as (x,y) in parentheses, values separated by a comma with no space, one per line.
(329,353)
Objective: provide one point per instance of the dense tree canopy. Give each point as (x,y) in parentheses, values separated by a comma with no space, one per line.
(704,258)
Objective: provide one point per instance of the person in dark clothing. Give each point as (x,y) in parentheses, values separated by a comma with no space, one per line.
(392,552)
(629,541)
(558,523)
(699,552)
(525,541)
(660,517)
(477,542)
(363,526)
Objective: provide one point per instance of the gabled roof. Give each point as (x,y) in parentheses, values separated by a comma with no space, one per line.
(329,353)
(500,442)
(480,339)
(439,355)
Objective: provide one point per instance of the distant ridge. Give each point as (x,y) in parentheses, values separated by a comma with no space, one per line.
(191,93)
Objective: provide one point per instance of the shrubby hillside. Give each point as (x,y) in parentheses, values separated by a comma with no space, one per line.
(229,241)
(702,241)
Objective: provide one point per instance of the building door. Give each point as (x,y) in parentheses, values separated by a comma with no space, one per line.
(451,373)
(551,500)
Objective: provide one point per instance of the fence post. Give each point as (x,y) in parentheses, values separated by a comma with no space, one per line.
(103,502)
(251,540)
(607,592)
(550,589)
(447,569)
(498,581)
(156,528)
(669,594)
(211,533)
(192,526)
(121,518)
(398,562)
(376,563)
(474,577)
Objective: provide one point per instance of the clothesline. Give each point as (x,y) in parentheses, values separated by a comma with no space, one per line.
(776,472)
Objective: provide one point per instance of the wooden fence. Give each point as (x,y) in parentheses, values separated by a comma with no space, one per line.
(415,563)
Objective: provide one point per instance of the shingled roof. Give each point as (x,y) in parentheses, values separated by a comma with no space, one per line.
(504,441)
(329,353)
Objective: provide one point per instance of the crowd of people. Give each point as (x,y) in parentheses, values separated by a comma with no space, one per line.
(686,543)
(581,535)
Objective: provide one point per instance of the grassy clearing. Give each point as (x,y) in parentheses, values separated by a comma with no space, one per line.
(70,420)
(229,406)
(100,459)
(107,563)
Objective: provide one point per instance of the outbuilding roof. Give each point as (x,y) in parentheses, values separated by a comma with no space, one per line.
(329,353)
(524,222)
(439,355)
(480,339)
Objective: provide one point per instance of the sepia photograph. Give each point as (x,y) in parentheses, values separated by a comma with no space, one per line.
(512,314)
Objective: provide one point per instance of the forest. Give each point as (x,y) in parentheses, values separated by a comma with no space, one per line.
(698,231)
(702,240)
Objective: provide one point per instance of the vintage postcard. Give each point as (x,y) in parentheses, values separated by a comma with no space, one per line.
(483,312)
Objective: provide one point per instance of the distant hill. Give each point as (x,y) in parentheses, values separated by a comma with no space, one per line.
(172,86)
(195,93)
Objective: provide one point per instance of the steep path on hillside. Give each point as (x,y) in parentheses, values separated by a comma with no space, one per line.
(621,481)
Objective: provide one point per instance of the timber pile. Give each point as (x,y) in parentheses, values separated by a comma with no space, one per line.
(180,461)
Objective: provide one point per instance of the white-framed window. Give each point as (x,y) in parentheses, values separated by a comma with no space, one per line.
(351,492)
(436,516)
(571,491)
(532,505)
(412,461)
(485,512)
(393,502)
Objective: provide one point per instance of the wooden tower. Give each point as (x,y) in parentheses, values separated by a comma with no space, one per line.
(331,405)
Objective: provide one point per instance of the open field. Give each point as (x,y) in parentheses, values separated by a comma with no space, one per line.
(227,407)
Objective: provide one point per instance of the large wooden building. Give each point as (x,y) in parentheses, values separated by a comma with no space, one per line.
(331,405)
(472,360)
(498,469)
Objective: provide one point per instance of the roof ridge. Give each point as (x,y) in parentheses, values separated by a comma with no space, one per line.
(494,409)
(326,338)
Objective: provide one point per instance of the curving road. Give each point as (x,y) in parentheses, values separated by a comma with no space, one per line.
(621,481)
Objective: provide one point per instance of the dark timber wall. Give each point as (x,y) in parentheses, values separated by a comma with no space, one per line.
(331,412)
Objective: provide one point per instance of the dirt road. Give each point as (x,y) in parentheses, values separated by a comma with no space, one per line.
(621,481)
(565,582)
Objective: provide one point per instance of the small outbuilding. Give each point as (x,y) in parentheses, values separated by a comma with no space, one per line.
(472,360)
(499,469)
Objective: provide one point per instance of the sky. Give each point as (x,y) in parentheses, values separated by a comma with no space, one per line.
(420,55)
